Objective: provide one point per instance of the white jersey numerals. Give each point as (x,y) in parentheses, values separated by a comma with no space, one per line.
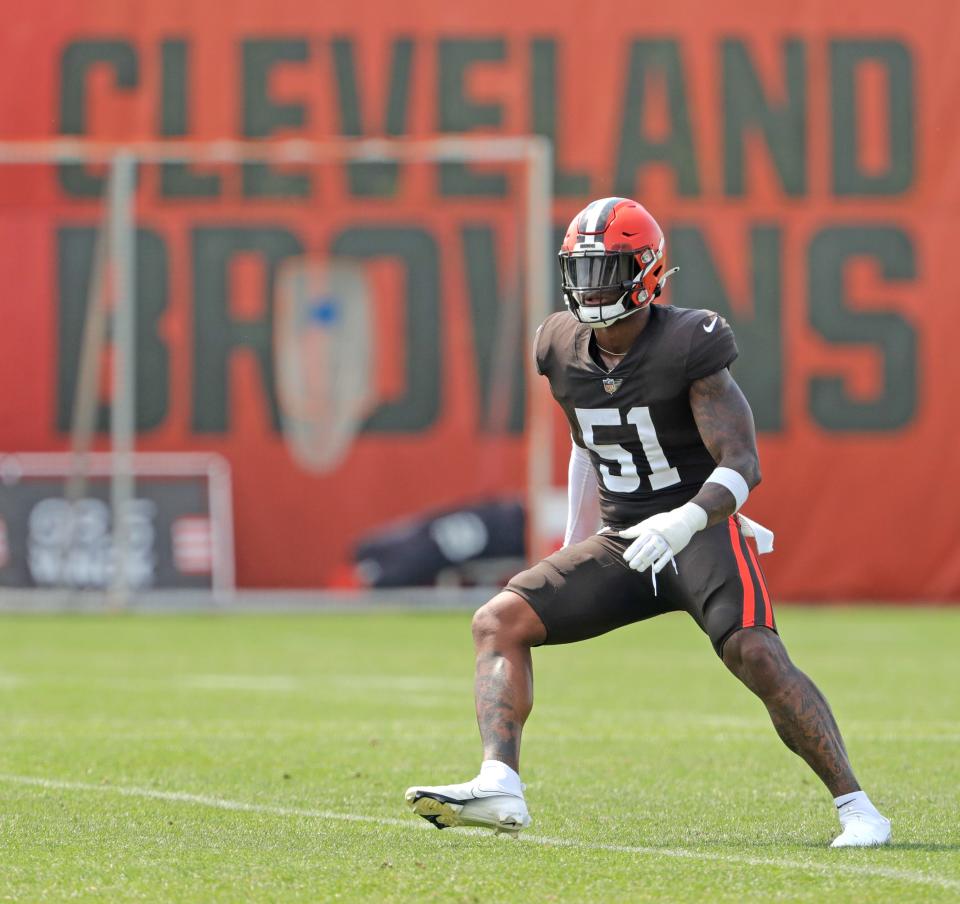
(628,480)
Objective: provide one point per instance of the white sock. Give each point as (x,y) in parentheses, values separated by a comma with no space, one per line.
(854,802)
(500,776)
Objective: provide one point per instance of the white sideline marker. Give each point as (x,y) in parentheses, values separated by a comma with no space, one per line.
(843,866)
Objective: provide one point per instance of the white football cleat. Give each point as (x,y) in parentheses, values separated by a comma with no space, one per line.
(862,830)
(468,804)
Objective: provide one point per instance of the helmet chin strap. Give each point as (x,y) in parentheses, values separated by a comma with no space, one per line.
(597,325)
(602,324)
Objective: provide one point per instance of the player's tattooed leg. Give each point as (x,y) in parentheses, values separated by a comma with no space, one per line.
(503,632)
(504,699)
(800,713)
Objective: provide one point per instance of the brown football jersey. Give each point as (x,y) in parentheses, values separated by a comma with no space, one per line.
(635,420)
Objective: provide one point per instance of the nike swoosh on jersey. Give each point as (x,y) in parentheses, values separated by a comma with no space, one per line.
(713,323)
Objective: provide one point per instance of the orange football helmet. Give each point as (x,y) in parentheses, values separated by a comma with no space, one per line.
(611,261)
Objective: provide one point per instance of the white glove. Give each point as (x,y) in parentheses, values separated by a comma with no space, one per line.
(657,539)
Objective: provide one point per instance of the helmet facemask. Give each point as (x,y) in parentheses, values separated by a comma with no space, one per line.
(601,287)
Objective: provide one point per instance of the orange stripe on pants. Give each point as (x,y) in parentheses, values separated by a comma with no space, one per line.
(749,602)
(768,619)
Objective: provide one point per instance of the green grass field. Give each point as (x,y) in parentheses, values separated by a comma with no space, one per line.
(264,758)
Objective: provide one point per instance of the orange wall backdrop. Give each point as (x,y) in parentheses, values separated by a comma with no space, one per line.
(803,159)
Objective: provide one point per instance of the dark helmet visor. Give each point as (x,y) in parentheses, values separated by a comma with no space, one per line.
(596,278)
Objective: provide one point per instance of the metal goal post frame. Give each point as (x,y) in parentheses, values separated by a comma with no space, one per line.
(122,158)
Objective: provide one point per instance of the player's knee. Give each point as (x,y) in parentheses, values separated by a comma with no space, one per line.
(757,656)
(484,625)
(506,619)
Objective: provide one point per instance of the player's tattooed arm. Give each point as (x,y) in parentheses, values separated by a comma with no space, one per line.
(725,422)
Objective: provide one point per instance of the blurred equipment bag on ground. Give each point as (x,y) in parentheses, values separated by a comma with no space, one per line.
(478,544)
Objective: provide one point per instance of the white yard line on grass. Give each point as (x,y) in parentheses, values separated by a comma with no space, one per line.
(203,800)
(842,867)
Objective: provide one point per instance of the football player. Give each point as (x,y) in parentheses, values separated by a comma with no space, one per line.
(664,445)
